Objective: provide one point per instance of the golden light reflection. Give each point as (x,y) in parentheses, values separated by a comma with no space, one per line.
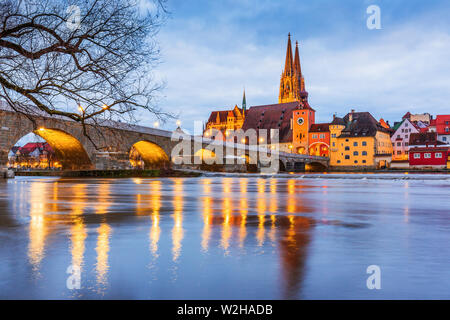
(177,230)
(207,214)
(78,229)
(291,196)
(102,249)
(155,230)
(243,209)
(260,234)
(261,210)
(273,229)
(104,232)
(37,227)
(227,209)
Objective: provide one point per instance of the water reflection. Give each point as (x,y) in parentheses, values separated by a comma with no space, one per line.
(37,227)
(179,224)
(207,214)
(293,253)
(177,231)
(78,229)
(103,235)
(155,231)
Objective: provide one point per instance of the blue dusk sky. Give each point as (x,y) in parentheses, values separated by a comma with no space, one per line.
(211,50)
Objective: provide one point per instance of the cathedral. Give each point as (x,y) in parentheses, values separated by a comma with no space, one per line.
(292,83)
(292,115)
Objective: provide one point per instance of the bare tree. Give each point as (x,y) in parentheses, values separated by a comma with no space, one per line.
(83,60)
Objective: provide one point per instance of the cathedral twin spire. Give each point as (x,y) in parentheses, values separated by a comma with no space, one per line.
(292,83)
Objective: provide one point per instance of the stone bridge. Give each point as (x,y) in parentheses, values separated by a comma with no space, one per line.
(107,145)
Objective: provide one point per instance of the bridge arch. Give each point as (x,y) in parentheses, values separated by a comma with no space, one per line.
(69,151)
(148,155)
(319,148)
(315,167)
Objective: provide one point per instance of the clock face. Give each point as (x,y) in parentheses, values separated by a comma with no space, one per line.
(300,121)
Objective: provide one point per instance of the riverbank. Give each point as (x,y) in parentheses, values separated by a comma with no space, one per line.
(158,173)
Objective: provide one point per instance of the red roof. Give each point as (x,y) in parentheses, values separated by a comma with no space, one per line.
(407,115)
(31,146)
(427,138)
(223,115)
(320,127)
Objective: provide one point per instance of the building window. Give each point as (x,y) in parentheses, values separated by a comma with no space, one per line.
(346,140)
(339,161)
(416,155)
(438,155)
(334,144)
(355,153)
(347,157)
(399,144)
(444,138)
(399,152)
(446,130)
(364,161)
(356,161)
(364,143)
(355,144)
(427,155)
(364,153)
(347,148)
(314,136)
(322,136)
(406,143)
(406,124)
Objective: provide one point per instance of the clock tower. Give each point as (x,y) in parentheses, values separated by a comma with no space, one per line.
(302,119)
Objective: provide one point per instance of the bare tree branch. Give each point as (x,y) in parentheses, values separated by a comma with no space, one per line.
(103,64)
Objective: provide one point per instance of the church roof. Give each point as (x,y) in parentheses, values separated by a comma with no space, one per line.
(273,116)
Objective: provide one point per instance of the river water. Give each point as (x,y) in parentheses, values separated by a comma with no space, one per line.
(232,237)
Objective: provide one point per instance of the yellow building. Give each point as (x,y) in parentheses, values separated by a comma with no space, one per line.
(359,141)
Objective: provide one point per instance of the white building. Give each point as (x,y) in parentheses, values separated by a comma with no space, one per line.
(400,140)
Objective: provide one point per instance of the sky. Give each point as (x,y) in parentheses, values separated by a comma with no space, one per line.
(211,50)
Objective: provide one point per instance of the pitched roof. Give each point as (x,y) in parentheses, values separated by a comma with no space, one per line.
(320,127)
(32,146)
(424,138)
(363,124)
(224,114)
(273,116)
(338,121)
(407,115)
(384,124)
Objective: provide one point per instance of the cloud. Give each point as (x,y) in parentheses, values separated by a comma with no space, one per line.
(403,67)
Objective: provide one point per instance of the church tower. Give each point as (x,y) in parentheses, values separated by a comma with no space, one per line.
(292,83)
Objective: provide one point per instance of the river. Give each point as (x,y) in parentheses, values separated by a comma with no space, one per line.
(225,237)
